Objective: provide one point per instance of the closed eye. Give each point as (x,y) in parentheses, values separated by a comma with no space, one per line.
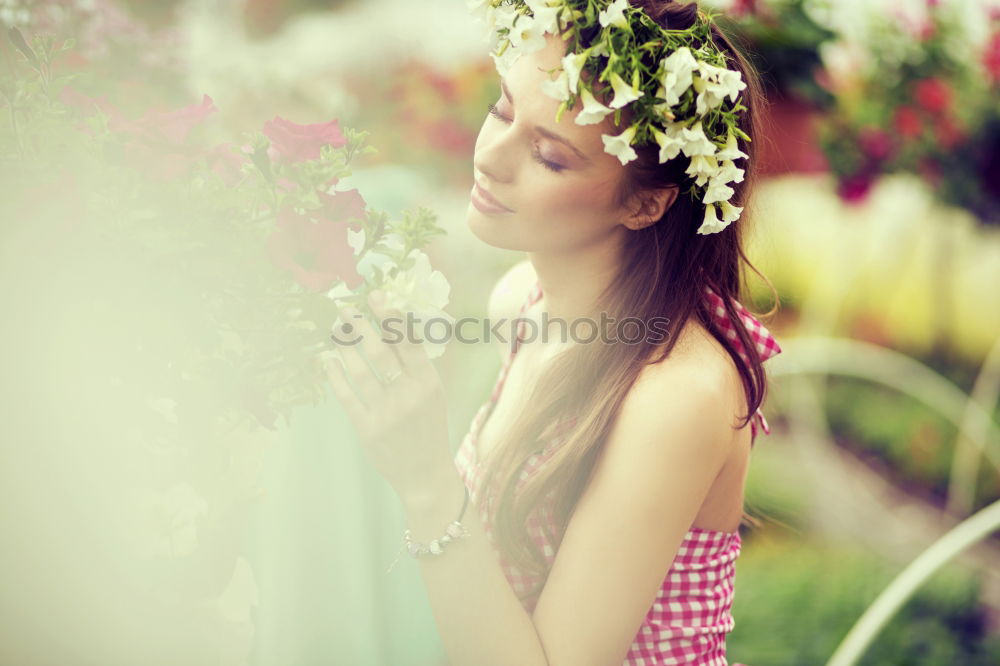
(551,166)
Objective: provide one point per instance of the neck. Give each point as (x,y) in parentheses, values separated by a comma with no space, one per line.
(571,284)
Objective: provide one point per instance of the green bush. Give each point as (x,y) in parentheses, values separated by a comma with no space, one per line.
(795,601)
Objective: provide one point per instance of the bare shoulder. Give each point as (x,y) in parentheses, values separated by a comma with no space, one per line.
(696,390)
(510,290)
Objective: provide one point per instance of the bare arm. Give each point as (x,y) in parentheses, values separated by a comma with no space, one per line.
(667,446)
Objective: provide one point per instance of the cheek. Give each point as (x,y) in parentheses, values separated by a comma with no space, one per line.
(579,198)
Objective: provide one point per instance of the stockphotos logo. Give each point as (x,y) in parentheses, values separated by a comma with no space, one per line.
(472,330)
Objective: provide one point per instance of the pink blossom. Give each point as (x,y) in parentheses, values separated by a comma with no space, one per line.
(313,246)
(295,143)
(227,162)
(168,127)
(933,94)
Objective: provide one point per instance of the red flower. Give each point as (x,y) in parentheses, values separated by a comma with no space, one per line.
(168,128)
(742,7)
(907,122)
(343,206)
(875,143)
(227,163)
(948,133)
(313,246)
(933,94)
(991,57)
(297,143)
(854,189)
(89,105)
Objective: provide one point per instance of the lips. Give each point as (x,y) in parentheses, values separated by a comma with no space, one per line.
(484,193)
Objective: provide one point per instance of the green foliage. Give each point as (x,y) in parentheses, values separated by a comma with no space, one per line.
(913,445)
(796,601)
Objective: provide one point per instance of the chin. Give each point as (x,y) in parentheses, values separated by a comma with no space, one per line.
(494,231)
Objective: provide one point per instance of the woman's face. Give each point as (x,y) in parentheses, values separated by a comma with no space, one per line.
(559,194)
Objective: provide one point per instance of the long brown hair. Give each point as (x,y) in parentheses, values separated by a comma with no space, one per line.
(666,266)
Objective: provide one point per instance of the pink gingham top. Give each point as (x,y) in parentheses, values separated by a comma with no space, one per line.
(690,617)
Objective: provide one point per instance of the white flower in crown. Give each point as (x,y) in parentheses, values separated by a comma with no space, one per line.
(711,223)
(670,141)
(676,77)
(696,143)
(546,14)
(730,213)
(624,93)
(478,9)
(702,167)
(500,17)
(731,151)
(557,88)
(527,35)
(728,172)
(572,64)
(593,111)
(717,191)
(614,15)
(714,84)
(620,145)
(506,61)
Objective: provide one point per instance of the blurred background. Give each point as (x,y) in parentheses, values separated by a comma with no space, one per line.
(878,223)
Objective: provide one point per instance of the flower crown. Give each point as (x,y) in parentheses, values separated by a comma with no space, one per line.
(675,82)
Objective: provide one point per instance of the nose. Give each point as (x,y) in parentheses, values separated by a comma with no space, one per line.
(494,156)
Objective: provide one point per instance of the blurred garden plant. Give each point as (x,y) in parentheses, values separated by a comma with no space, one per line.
(922,100)
(251,246)
(171,295)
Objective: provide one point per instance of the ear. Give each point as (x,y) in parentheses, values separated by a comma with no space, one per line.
(650,207)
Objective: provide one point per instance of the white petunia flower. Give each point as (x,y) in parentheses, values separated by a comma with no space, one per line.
(424,292)
(527,35)
(502,16)
(478,9)
(546,14)
(709,96)
(676,77)
(731,151)
(714,84)
(717,191)
(696,143)
(620,145)
(614,15)
(702,167)
(557,88)
(670,142)
(624,93)
(593,111)
(711,223)
(728,172)
(573,64)
(730,213)
(506,61)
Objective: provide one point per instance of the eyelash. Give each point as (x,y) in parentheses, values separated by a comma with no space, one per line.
(551,166)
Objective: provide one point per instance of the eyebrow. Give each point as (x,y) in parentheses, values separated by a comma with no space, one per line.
(543,131)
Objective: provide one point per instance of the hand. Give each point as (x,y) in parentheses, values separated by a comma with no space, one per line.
(396,400)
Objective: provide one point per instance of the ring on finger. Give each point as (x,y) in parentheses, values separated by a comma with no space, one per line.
(391,377)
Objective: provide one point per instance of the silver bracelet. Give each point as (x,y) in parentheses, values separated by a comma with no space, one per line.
(454,531)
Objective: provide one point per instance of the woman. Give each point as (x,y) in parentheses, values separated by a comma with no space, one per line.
(617,470)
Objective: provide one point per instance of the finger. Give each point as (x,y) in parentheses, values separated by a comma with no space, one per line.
(376,350)
(355,409)
(410,348)
(356,366)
